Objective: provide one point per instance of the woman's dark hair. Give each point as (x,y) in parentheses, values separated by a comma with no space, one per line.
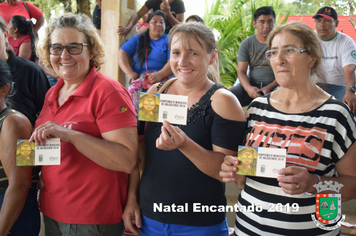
(196,18)
(145,39)
(24,27)
(5,78)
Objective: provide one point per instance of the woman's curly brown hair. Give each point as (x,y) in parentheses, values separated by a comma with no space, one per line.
(83,24)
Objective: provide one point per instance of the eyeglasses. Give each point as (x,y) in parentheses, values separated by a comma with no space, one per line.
(286,52)
(72,48)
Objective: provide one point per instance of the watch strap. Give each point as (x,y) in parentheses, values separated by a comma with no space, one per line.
(351,88)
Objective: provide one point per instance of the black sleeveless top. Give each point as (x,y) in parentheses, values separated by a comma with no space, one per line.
(3,178)
(171,178)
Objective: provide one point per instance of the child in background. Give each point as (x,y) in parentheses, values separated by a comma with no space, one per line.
(22,38)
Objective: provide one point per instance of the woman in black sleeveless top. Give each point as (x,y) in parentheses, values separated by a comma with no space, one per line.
(19,213)
(183,162)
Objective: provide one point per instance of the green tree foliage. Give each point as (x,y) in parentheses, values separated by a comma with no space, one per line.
(310,7)
(55,7)
(232,22)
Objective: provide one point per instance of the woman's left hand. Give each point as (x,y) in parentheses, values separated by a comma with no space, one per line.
(49,130)
(172,137)
(295,180)
(154,77)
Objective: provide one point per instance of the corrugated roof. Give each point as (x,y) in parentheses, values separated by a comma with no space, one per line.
(345,25)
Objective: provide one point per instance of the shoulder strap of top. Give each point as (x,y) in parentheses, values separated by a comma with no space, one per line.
(162,86)
(28,10)
(3,114)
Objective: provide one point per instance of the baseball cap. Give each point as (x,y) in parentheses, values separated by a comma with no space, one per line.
(326,12)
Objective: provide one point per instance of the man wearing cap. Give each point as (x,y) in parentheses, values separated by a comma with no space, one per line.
(338,59)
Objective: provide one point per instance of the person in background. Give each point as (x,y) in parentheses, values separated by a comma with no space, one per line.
(183,162)
(10,8)
(142,25)
(21,38)
(317,131)
(97,16)
(150,55)
(19,213)
(93,117)
(251,57)
(29,81)
(167,6)
(194,18)
(339,58)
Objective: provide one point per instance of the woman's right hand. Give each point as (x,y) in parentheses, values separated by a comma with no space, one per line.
(132,212)
(123,30)
(50,130)
(228,172)
(133,76)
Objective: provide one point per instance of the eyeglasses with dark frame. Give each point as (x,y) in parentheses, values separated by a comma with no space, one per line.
(289,52)
(72,48)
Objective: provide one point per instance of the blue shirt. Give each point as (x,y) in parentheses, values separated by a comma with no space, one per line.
(157,58)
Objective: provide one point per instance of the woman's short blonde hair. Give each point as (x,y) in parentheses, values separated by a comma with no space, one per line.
(204,36)
(309,40)
(83,24)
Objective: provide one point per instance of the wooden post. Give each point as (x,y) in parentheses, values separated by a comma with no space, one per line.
(113,14)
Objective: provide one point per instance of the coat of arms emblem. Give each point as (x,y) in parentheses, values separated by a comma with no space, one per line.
(328,206)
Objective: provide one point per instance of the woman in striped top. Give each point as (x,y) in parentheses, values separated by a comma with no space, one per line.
(317,131)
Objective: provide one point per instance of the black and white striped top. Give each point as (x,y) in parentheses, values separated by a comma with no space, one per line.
(316,140)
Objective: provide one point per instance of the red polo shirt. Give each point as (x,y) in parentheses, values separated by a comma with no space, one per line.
(80,191)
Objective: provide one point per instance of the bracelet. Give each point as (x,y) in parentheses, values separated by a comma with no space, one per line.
(319,180)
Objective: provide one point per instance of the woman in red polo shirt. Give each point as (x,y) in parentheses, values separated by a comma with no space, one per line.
(93,116)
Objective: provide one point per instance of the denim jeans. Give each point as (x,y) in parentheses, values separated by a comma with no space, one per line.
(241,94)
(337,91)
(28,223)
(151,227)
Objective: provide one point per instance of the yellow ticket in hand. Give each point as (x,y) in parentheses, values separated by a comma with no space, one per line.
(247,157)
(260,161)
(30,154)
(25,153)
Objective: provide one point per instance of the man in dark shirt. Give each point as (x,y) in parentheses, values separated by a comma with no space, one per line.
(167,6)
(97,16)
(30,86)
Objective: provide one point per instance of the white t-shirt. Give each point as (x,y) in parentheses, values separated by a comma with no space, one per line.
(337,53)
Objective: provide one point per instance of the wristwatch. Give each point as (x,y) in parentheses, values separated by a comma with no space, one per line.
(353,89)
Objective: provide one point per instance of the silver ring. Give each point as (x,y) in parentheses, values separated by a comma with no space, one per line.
(43,128)
(297,186)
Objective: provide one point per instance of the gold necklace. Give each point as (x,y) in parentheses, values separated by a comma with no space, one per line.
(316,101)
(273,95)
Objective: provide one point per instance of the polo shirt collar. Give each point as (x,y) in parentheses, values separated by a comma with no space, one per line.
(83,90)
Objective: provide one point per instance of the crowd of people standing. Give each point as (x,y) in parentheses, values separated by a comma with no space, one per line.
(298,86)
